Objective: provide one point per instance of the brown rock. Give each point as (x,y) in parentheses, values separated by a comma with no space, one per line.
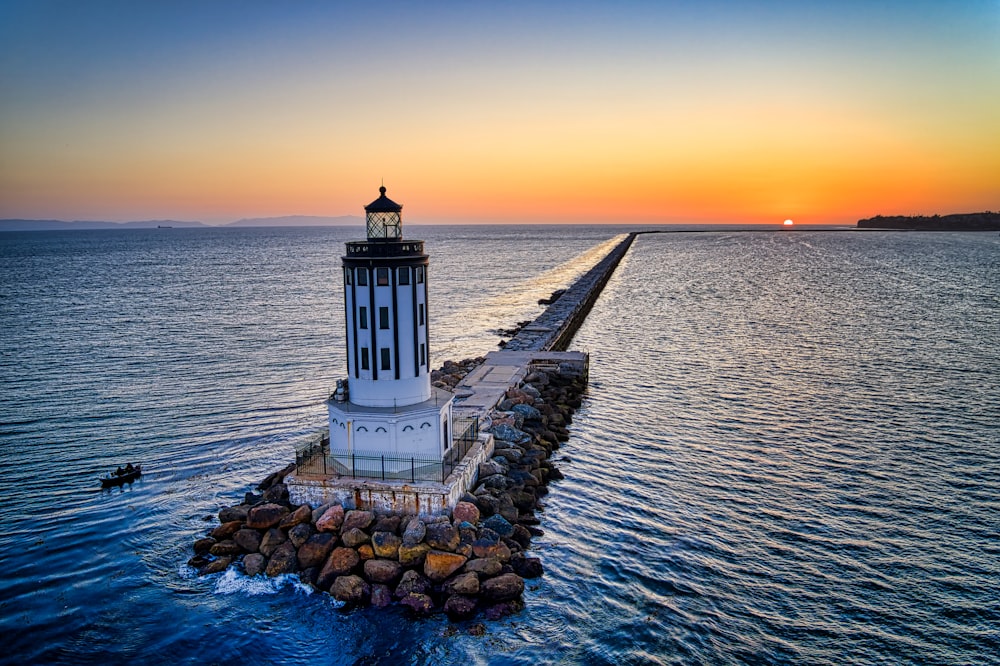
(224,548)
(350,589)
(465,512)
(201,546)
(283,560)
(412,582)
(438,565)
(277,494)
(503,588)
(386,545)
(226,530)
(491,548)
(459,607)
(216,566)
(388,524)
(271,540)
(233,513)
(421,604)
(526,567)
(413,556)
(365,552)
(354,537)
(464,583)
(357,519)
(486,567)
(382,571)
(254,564)
(248,540)
(503,609)
(414,532)
(265,516)
(331,520)
(303,514)
(341,562)
(442,536)
(301,533)
(313,553)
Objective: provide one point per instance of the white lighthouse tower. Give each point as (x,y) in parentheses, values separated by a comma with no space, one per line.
(387,406)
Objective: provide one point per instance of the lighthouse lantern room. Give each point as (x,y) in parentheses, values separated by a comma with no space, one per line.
(387,404)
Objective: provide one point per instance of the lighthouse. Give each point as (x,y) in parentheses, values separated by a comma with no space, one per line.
(386,405)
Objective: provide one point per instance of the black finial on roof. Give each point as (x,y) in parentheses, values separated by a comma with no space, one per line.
(383,204)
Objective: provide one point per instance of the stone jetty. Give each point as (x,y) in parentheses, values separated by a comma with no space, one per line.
(472,558)
(470,562)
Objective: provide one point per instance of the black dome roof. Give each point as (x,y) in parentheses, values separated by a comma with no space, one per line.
(383,204)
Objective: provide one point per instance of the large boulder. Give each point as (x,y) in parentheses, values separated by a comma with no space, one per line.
(420,604)
(316,549)
(463,583)
(414,532)
(331,520)
(231,513)
(503,587)
(489,548)
(266,516)
(438,565)
(303,514)
(442,536)
(354,537)
(301,533)
(485,567)
(491,467)
(412,582)
(248,540)
(340,562)
(277,494)
(318,512)
(386,545)
(216,566)
(283,560)
(500,525)
(350,589)
(382,571)
(226,530)
(388,524)
(465,512)
(511,434)
(271,540)
(526,567)
(226,547)
(254,564)
(413,556)
(527,411)
(202,546)
(460,607)
(357,519)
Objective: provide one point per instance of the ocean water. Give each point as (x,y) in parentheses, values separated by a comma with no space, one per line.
(789,452)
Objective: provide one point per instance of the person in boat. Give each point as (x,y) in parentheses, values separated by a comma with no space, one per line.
(119,471)
(129,469)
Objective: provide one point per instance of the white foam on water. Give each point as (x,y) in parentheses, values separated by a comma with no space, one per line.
(232,581)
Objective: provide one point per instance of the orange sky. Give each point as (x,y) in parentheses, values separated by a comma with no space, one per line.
(651,112)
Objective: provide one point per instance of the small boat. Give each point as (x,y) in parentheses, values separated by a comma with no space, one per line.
(121,476)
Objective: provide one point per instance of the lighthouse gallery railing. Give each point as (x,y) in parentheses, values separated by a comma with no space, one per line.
(315,457)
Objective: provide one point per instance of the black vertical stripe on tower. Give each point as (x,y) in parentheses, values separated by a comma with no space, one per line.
(416,328)
(350,313)
(395,320)
(373,322)
(427,315)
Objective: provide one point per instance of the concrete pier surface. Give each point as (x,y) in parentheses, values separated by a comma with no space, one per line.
(538,346)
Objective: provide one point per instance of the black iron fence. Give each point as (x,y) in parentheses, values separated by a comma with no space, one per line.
(316,457)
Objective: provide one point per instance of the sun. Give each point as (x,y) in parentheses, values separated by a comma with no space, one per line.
(788,223)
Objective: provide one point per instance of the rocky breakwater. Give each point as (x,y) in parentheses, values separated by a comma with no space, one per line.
(474,561)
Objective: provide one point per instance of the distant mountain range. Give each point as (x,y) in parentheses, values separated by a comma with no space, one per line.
(286,221)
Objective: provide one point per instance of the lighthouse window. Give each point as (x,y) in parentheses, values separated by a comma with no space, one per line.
(420,275)
(362,277)
(383,317)
(382,277)
(385,358)
(364,359)
(404,275)
(362,317)
(420,314)
(423,354)
(347,276)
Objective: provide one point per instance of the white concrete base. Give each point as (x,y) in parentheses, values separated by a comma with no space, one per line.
(424,498)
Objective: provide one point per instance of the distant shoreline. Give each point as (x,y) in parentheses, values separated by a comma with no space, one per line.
(985,221)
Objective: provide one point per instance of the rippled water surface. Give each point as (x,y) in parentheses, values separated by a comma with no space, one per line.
(789,452)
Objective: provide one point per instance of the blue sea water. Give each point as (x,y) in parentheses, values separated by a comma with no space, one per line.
(789,451)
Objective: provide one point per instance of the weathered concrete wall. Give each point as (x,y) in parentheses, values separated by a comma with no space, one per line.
(420,498)
(554,328)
